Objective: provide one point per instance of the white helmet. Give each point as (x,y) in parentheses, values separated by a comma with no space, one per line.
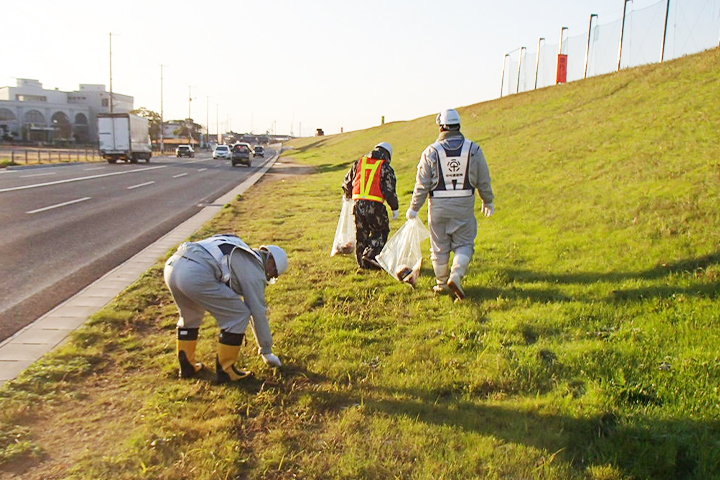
(386,146)
(448,117)
(281,258)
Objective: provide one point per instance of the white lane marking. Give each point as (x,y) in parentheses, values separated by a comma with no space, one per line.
(180,175)
(200,161)
(202,169)
(96,168)
(140,185)
(38,175)
(59,205)
(89,177)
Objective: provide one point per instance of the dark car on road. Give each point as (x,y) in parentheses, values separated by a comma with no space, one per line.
(241,154)
(259,151)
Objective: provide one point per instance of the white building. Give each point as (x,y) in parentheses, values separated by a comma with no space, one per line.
(28,112)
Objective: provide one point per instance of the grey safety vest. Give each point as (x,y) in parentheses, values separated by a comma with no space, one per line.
(222,255)
(453,168)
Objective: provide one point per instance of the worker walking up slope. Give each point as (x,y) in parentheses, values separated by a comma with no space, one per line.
(449,172)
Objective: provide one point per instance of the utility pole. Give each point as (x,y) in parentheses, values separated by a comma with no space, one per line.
(587,52)
(207,121)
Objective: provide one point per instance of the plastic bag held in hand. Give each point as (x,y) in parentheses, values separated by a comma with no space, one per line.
(402,256)
(344,242)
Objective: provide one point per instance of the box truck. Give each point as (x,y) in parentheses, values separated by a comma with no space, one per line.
(124,136)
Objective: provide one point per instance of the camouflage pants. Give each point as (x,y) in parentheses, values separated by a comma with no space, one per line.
(372,227)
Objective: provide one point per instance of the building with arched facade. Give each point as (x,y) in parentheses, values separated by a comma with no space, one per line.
(31,113)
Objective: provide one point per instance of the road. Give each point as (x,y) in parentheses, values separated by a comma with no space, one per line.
(64,226)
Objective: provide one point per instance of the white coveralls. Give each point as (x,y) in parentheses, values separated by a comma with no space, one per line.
(224,276)
(453,226)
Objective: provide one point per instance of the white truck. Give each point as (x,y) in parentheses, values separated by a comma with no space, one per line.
(124,136)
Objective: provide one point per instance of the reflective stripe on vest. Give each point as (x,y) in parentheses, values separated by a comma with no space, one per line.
(212,245)
(366,185)
(454,180)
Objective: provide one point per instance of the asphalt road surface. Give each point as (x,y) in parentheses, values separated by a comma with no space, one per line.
(64,226)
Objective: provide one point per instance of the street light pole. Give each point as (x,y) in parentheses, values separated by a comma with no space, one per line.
(189,101)
(111,91)
(189,119)
(162,121)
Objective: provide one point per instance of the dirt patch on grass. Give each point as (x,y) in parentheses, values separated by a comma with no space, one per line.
(286,168)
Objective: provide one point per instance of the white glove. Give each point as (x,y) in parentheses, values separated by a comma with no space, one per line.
(411,214)
(271,359)
(488,209)
(396,214)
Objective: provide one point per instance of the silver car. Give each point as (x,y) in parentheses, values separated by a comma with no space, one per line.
(222,151)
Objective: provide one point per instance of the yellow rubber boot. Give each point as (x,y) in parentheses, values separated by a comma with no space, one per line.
(186,345)
(227,353)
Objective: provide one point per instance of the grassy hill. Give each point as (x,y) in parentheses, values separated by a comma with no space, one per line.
(587,347)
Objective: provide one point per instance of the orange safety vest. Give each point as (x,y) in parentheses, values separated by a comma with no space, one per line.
(366,185)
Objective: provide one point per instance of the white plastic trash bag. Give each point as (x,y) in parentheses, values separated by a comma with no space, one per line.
(402,256)
(344,242)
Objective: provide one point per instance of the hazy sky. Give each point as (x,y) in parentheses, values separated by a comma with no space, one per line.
(285,64)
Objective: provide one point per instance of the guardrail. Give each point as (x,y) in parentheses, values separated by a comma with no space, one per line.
(31,156)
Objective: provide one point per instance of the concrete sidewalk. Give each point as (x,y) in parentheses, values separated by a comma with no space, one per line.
(32,342)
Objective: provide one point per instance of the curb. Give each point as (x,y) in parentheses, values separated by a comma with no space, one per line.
(28,345)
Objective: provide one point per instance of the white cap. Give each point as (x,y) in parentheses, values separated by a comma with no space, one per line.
(281,258)
(448,117)
(386,146)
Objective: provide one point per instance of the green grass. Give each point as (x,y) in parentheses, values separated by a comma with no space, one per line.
(587,347)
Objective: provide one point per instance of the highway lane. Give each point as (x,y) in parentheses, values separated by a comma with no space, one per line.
(62,227)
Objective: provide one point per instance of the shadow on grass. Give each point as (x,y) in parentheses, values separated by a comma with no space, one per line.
(309,146)
(334,167)
(291,169)
(480,294)
(691,265)
(666,450)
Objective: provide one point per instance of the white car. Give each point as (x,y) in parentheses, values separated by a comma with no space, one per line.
(184,151)
(222,151)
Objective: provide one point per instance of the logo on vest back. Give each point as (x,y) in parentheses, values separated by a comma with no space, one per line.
(453,165)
